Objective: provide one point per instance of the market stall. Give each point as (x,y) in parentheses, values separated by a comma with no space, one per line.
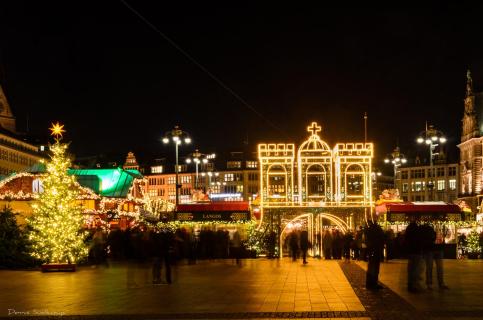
(445,216)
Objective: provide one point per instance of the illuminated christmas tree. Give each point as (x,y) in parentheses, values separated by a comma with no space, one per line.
(473,245)
(57,223)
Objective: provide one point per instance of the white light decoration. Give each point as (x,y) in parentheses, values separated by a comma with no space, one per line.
(332,184)
(323,174)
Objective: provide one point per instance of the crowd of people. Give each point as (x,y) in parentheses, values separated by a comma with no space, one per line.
(164,247)
(421,243)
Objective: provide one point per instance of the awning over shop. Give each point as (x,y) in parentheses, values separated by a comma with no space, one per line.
(214,211)
(427,211)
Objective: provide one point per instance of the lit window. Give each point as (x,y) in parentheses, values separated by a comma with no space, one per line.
(229,177)
(419,186)
(252,164)
(185,179)
(452,184)
(405,187)
(233,164)
(440,185)
(172,180)
(37,186)
(157,169)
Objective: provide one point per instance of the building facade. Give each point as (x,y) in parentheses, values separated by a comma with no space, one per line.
(239,180)
(416,183)
(471,155)
(16,155)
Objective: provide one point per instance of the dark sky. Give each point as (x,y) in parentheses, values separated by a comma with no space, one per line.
(118,85)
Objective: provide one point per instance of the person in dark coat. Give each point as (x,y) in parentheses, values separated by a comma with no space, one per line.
(304,245)
(436,255)
(163,243)
(375,246)
(413,248)
(327,244)
(348,244)
(293,243)
(428,236)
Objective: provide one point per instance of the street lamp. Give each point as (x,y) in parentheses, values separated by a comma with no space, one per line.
(396,158)
(177,137)
(197,158)
(431,137)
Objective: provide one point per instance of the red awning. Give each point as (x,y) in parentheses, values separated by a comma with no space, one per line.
(214,206)
(415,207)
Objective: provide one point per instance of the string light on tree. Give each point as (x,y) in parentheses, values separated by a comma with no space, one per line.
(57,222)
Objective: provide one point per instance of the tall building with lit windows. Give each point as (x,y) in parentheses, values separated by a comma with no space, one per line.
(16,155)
(414,183)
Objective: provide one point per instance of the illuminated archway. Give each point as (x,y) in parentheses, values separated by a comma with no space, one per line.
(313,226)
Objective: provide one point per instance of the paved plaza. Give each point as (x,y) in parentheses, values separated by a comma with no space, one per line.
(260,288)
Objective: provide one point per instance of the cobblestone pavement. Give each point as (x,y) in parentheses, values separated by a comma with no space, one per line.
(260,288)
(462,301)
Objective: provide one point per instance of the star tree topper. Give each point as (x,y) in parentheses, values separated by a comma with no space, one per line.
(57,130)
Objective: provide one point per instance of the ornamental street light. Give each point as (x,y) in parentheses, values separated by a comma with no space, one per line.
(432,138)
(396,158)
(210,174)
(177,137)
(197,158)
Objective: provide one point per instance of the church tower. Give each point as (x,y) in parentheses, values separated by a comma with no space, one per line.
(470,121)
(7,120)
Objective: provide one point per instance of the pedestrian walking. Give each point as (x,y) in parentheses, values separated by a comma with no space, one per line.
(327,244)
(294,245)
(414,251)
(358,243)
(348,244)
(375,246)
(428,237)
(437,255)
(236,247)
(163,246)
(304,245)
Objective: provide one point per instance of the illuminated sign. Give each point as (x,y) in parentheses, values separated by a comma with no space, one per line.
(213,216)
(225,195)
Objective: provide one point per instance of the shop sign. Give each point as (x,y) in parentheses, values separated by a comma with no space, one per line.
(453,217)
(213,216)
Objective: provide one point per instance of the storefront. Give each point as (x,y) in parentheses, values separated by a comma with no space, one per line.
(214,211)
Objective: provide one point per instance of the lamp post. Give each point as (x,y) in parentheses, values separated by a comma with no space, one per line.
(177,137)
(198,157)
(396,158)
(374,174)
(432,138)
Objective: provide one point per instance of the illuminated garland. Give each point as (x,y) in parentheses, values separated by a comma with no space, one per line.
(84,194)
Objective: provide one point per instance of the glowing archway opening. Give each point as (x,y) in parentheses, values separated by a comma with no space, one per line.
(341,224)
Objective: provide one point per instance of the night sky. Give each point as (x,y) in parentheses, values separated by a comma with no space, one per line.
(119,86)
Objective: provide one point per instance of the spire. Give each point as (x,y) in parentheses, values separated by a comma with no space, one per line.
(469,84)
(7,120)
(470,121)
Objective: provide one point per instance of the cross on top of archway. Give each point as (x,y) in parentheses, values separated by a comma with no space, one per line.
(314,128)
